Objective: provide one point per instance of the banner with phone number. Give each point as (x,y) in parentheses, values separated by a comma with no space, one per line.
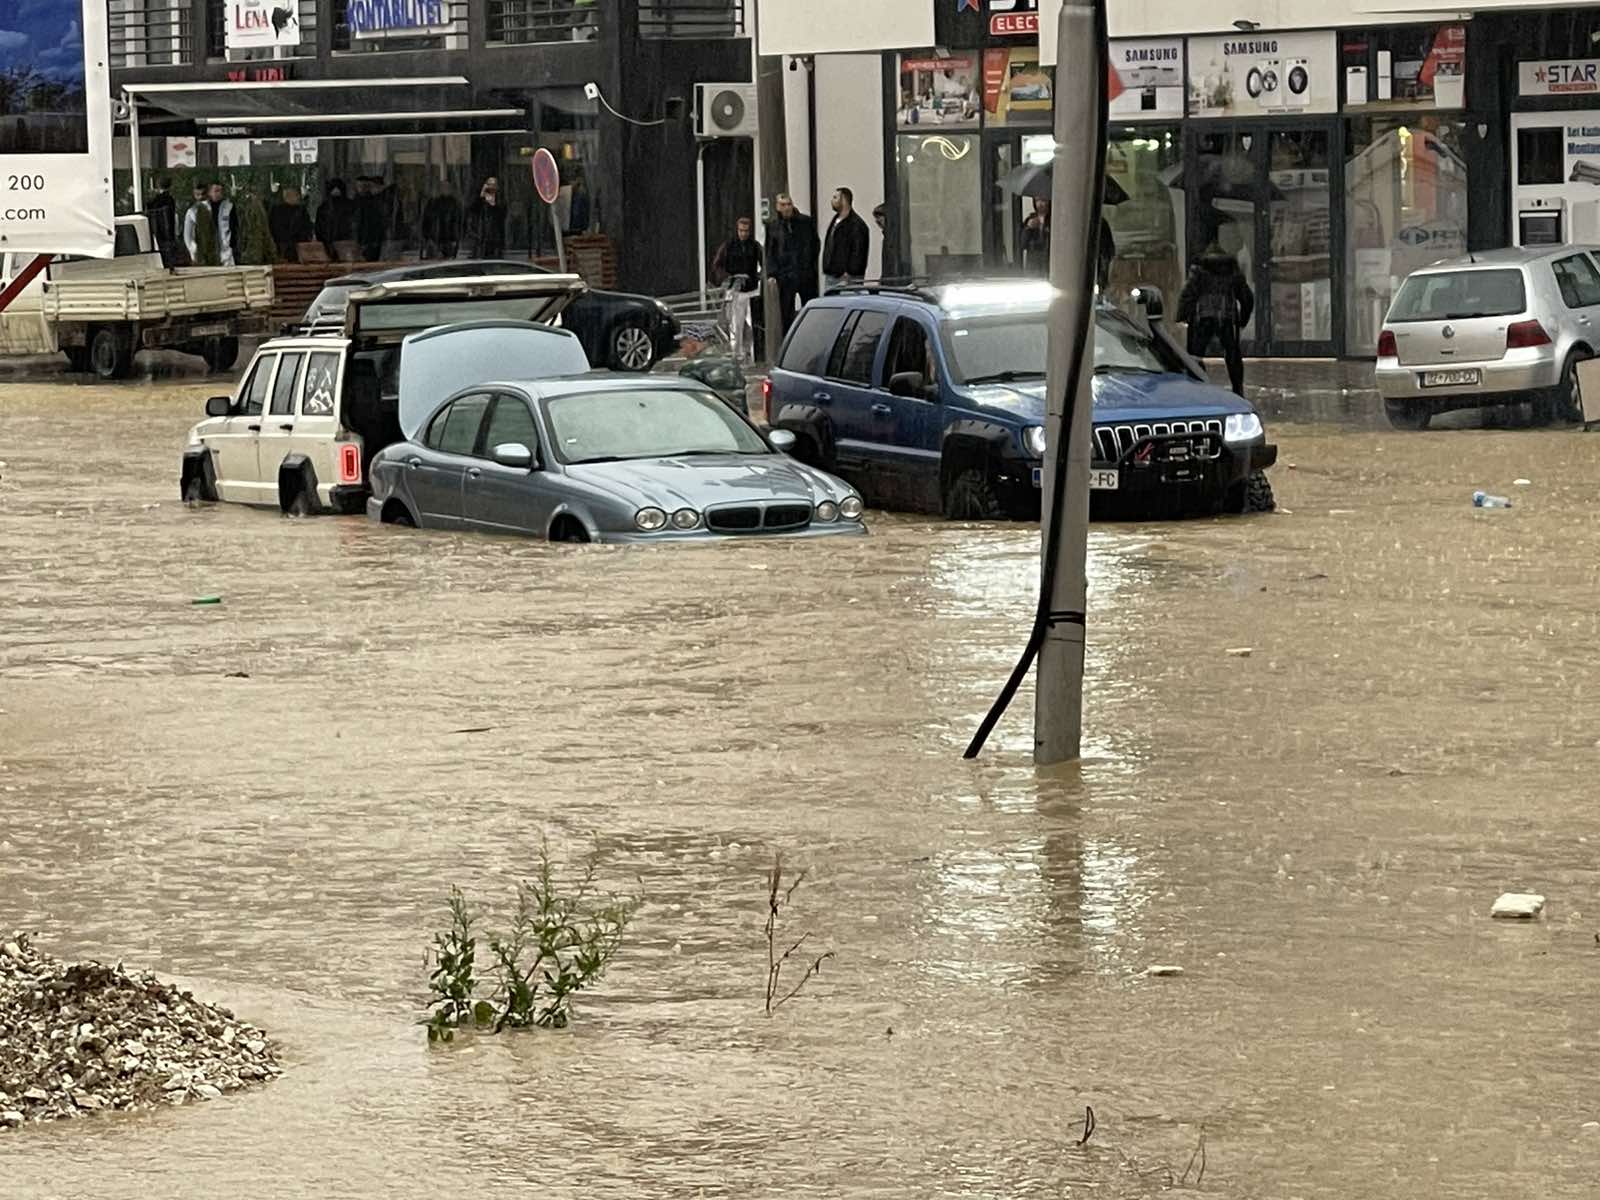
(55,129)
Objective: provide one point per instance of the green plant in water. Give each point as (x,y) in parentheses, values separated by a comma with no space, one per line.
(559,943)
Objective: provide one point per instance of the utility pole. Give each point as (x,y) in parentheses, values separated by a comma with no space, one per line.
(1076,189)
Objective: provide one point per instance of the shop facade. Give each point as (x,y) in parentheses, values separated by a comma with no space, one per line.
(1330,162)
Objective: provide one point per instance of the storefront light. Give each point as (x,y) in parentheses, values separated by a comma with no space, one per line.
(953,151)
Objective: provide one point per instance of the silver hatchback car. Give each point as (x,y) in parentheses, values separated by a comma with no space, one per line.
(1505,327)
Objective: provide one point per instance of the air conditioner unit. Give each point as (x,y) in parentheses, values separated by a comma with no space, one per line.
(723,110)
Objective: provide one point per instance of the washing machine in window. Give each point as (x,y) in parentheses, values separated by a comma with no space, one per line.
(1296,83)
(1263,82)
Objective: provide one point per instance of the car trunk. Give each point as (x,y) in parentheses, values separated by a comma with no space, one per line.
(1430,343)
(1441,317)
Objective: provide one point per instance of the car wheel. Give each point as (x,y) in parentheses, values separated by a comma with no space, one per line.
(1410,415)
(303,501)
(1258,495)
(631,347)
(970,496)
(77,358)
(1567,404)
(220,354)
(110,353)
(569,529)
(201,486)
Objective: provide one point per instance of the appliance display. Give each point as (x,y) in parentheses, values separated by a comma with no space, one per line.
(1297,83)
(1539,222)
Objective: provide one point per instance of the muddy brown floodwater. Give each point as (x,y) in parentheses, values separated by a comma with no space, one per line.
(1315,833)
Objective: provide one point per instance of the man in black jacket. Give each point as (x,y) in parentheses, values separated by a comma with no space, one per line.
(792,258)
(1217,304)
(844,254)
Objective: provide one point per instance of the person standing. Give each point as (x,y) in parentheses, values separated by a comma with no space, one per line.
(486,222)
(1217,303)
(221,244)
(441,227)
(792,258)
(162,211)
(336,218)
(844,253)
(289,224)
(891,270)
(1036,239)
(739,259)
(191,224)
(371,222)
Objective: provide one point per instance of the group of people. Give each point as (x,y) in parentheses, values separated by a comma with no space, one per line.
(358,227)
(803,265)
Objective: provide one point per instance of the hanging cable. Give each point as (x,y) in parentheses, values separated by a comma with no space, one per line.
(606,104)
(1043,618)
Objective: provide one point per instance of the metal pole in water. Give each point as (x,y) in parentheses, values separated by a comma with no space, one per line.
(1076,189)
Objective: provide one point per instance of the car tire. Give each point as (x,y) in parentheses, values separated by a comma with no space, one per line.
(201,486)
(970,496)
(1567,403)
(220,354)
(77,359)
(302,501)
(1258,495)
(110,353)
(631,347)
(1410,415)
(570,530)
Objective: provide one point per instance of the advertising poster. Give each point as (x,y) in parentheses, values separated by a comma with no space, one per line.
(1260,74)
(1406,68)
(1146,79)
(939,90)
(1571,77)
(1016,88)
(55,128)
(253,24)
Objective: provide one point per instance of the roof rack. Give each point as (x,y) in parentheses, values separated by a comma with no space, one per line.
(919,290)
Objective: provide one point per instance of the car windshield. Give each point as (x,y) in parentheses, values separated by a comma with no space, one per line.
(1458,295)
(1004,349)
(647,423)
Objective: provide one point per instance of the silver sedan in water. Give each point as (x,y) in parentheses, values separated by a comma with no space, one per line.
(604,458)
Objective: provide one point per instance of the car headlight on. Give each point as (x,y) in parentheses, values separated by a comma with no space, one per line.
(1241,427)
(685,518)
(1033,440)
(850,508)
(827,511)
(650,519)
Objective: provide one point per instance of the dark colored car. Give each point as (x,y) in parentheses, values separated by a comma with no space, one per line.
(933,399)
(618,331)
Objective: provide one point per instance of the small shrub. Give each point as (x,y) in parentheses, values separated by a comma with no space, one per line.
(778,898)
(558,944)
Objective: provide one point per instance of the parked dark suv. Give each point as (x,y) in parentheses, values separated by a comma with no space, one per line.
(618,331)
(932,400)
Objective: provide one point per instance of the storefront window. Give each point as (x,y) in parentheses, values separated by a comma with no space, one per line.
(1405,207)
(940,179)
(1145,212)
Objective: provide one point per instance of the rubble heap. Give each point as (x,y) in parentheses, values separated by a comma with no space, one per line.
(79,1037)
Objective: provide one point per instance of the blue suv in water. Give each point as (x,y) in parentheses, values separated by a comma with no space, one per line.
(933,400)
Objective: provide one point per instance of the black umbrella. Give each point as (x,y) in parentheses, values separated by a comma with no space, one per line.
(1033,179)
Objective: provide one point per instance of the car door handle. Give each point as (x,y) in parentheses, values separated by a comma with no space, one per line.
(881,410)
(413,463)
(473,472)
(253,428)
(822,397)
(288,428)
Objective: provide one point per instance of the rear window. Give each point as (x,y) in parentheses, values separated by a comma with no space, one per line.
(1458,295)
(812,340)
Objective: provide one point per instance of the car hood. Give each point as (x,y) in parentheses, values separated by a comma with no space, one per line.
(704,482)
(1119,396)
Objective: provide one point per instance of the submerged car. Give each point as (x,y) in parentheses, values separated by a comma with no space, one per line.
(300,431)
(933,400)
(601,458)
(1507,327)
(619,331)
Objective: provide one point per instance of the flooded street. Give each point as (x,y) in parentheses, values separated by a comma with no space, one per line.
(1314,832)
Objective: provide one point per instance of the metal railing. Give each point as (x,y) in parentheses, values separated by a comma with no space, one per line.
(523,22)
(151,33)
(304,46)
(691,18)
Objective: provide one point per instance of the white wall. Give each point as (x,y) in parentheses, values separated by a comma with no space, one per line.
(839,26)
(850,125)
(1150,18)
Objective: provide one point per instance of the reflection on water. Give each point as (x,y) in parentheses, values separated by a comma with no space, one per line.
(269,799)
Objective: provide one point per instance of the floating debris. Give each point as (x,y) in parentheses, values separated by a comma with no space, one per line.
(1518,906)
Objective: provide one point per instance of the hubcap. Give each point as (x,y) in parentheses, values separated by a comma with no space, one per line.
(633,348)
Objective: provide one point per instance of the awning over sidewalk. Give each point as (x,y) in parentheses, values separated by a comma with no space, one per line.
(322,108)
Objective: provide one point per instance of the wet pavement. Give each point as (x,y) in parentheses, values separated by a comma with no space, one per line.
(1315,833)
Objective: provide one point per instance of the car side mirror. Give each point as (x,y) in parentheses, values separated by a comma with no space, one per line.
(781,440)
(1151,301)
(219,406)
(514,455)
(906,383)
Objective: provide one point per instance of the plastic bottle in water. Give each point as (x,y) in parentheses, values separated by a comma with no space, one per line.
(1485,500)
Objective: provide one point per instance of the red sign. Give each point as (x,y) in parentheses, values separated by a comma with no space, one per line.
(994,78)
(546,175)
(275,74)
(1019,24)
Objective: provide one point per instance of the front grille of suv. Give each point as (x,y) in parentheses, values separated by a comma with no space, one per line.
(1113,442)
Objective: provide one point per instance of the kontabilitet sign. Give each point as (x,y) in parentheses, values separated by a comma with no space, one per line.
(55,128)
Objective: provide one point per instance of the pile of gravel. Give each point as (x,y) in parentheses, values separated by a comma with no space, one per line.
(79,1037)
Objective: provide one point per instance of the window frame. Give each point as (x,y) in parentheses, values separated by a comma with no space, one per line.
(1591,299)
(296,382)
(498,399)
(930,340)
(862,315)
(336,357)
(265,363)
(476,448)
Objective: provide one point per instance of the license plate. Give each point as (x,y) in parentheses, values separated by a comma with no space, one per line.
(1451,378)
(209,331)
(1104,481)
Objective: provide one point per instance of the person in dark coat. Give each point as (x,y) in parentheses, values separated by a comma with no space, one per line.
(289,224)
(1035,244)
(441,227)
(486,222)
(740,255)
(1217,303)
(892,269)
(162,212)
(792,250)
(336,217)
(844,253)
(372,224)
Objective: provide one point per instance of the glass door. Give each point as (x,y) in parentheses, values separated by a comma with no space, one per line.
(1018,224)
(1263,195)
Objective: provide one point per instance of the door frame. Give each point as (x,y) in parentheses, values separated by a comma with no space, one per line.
(993,137)
(1268,343)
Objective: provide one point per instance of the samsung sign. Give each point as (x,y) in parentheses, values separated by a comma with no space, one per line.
(378,18)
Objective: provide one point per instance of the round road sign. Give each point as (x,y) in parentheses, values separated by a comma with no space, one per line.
(546,175)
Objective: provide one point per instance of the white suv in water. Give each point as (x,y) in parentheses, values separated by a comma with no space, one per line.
(1506,327)
(300,431)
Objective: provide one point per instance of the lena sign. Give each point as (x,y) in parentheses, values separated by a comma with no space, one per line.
(252,24)
(55,130)
(1570,77)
